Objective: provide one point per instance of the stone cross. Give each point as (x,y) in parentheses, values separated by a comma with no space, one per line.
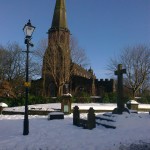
(120,102)
(119,73)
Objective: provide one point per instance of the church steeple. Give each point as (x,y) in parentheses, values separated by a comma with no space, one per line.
(56,63)
(59,21)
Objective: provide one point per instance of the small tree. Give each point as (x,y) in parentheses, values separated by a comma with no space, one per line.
(78,54)
(106,98)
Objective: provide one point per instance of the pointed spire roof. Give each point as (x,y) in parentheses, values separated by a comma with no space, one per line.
(59,18)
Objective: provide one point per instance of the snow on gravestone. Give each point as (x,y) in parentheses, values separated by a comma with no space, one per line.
(132,104)
(2,105)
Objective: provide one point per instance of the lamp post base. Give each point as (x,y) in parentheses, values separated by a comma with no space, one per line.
(26,127)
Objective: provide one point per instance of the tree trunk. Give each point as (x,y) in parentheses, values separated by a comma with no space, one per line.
(43,91)
(59,91)
(133,94)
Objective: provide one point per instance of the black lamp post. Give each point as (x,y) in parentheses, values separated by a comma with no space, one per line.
(28,30)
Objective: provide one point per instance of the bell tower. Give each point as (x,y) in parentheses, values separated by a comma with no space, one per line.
(56,62)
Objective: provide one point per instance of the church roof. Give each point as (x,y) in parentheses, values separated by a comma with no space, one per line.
(80,71)
(59,21)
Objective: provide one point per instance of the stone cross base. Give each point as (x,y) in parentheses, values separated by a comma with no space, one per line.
(120,111)
(132,104)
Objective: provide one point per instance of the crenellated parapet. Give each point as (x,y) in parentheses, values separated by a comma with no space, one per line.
(104,81)
(107,84)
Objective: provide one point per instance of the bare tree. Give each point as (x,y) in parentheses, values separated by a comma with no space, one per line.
(53,68)
(3,62)
(40,50)
(12,61)
(12,65)
(136,60)
(78,54)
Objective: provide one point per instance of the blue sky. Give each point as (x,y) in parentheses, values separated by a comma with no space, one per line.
(103,27)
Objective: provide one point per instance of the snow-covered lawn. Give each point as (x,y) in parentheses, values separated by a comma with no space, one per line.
(55,106)
(83,106)
(62,135)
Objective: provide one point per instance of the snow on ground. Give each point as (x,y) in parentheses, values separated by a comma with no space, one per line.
(83,106)
(132,129)
(55,106)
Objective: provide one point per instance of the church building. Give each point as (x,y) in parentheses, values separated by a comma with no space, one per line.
(59,74)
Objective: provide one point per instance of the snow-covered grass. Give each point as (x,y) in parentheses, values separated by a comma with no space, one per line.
(82,106)
(47,134)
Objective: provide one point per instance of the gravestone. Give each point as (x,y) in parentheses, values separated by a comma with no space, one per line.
(66,103)
(120,97)
(91,123)
(88,123)
(76,116)
(55,115)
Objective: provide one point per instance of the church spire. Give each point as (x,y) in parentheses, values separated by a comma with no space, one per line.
(59,18)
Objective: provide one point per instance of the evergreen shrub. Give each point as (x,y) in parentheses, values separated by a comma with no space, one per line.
(82,97)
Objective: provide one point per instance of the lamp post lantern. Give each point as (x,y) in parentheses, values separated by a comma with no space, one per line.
(28,30)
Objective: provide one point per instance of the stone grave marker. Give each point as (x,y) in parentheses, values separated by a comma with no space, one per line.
(120,97)
(91,123)
(76,116)
(55,115)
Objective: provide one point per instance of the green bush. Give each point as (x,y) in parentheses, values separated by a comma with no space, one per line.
(145,99)
(73,99)
(106,98)
(109,98)
(42,100)
(82,97)
(12,102)
(112,97)
(20,101)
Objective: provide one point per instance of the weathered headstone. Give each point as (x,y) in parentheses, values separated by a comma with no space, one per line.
(76,116)
(88,123)
(91,123)
(120,97)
